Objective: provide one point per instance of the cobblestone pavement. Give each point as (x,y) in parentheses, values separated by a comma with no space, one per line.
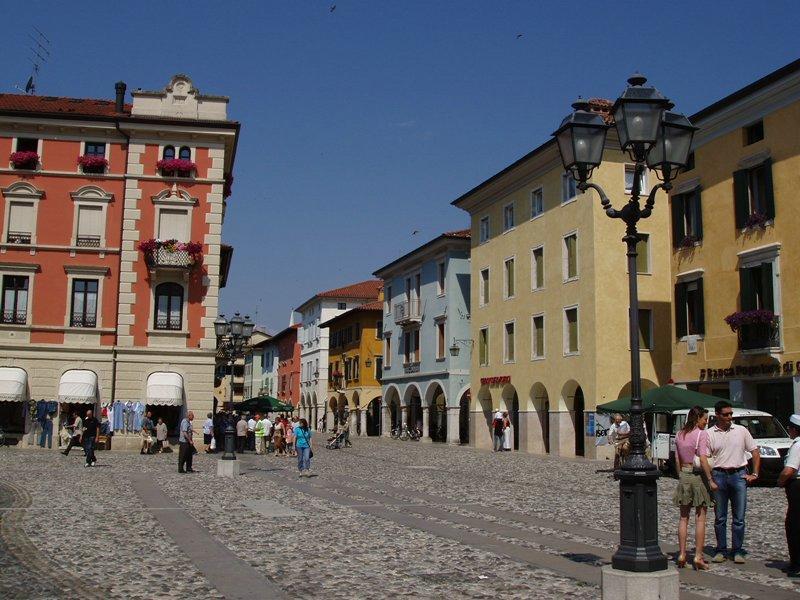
(383,519)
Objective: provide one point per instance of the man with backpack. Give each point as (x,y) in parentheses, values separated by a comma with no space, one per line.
(497,431)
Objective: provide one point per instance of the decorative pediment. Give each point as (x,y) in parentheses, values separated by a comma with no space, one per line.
(174,197)
(22,190)
(180,99)
(91,193)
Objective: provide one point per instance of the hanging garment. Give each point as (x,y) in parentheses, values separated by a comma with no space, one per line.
(138,411)
(41,410)
(128,416)
(119,416)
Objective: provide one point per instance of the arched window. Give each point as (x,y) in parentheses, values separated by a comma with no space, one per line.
(169,307)
(169,152)
(185,153)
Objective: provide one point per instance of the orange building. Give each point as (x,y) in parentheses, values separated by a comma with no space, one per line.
(111,255)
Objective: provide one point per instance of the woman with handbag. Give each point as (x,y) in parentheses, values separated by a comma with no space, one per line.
(691,460)
(304,448)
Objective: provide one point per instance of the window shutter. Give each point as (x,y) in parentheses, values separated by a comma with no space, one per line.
(767,299)
(769,198)
(741,197)
(678,233)
(699,309)
(681,327)
(90,220)
(697,211)
(20,217)
(747,293)
(173,224)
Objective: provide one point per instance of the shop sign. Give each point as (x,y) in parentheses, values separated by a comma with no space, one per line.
(787,368)
(496,380)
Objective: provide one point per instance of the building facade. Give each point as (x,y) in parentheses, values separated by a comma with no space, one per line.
(111,255)
(549,299)
(355,363)
(314,341)
(287,358)
(426,313)
(253,365)
(737,316)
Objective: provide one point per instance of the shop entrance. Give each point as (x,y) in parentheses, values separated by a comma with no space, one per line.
(776,398)
(374,417)
(171,416)
(579,423)
(463,418)
(12,419)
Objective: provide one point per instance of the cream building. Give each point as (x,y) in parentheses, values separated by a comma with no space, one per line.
(549,299)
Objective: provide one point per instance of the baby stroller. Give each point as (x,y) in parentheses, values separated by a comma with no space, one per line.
(340,440)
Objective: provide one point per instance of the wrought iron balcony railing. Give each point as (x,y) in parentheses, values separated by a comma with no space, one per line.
(169,323)
(82,320)
(19,237)
(88,241)
(407,312)
(15,317)
(177,259)
(760,336)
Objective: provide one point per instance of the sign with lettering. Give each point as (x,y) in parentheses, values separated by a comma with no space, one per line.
(496,380)
(788,368)
(411,368)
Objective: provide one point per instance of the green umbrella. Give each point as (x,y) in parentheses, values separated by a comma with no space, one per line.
(666,398)
(262,404)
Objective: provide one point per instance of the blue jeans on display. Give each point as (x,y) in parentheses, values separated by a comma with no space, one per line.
(47,434)
(303,459)
(88,448)
(733,488)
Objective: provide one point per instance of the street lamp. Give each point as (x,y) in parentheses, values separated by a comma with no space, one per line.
(454,348)
(659,140)
(232,337)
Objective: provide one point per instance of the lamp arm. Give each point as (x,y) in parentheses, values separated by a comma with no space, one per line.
(651,198)
(604,201)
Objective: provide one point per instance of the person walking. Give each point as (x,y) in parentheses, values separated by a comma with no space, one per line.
(497,431)
(619,435)
(261,435)
(75,431)
(186,444)
(147,433)
(289,437)
(305,448)
(727,444)
(508,433)
(251,434)
(268,429)
(691,458)
(91,427)
(789,479)
(161,435)
(280,429)
(241,434)
(208,432)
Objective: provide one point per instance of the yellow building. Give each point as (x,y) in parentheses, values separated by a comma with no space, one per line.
(549,299)
(734,250)
(355,362)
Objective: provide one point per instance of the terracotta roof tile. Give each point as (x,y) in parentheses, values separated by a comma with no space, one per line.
(602,107)
(367,290)
(461,233)
(377,305)
(57,104)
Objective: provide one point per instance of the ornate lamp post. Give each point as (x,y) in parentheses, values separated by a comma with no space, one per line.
(658,140)
(232,338)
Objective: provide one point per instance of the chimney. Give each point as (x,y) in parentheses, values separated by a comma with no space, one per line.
(120,88)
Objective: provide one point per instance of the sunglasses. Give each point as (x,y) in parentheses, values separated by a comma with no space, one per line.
(726,414)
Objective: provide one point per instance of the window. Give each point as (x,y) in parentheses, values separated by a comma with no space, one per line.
(571,330)
(484,283)
(537,202)
(569,189)
(169,307)
(378,330)
(537,268)
(411,346)
(508,217)
(440,340)
(169,153)
(441,274)
(341,306)
(484,230)
(630,172)
(483,346)
(15,299)
(509,277)
(90,226)
(358,331)
(753,196)
(378,368)
(21,222)
(185,153)
(570,262)
(756,288)
(689,312)
(95,149)
(537,336)
(754,133)
(173,224)
(645,329)
(27,145)
(387,352)
(84,303)
(509,342)
(687,219)
(356,368)
(643,253)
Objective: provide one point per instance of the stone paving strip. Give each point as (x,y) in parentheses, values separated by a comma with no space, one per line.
(581,562)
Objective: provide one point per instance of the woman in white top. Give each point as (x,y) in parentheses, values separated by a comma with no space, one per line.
(507,433)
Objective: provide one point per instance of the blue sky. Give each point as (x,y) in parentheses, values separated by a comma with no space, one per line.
(361,125)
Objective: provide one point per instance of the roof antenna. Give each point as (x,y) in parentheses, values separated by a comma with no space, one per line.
(40,52)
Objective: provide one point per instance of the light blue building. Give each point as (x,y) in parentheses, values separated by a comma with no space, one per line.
(427,341)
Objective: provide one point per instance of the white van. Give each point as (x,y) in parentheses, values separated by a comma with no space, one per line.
(772,439)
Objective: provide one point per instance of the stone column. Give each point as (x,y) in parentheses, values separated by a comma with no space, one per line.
(403,417)
(363,418)
(530,432)
(426,422)
(354,416)
(386,421)
(453,424)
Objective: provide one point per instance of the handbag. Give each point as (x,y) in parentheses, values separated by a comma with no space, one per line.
(698,466)
(213,444)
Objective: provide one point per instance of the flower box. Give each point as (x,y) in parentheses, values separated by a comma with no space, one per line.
(687,242)
(171,253)
(176,167)
(91,163)
(756,219)
(750,317)
(24,160)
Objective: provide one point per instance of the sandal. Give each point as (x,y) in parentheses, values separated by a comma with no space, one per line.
(681,561)
(700,564)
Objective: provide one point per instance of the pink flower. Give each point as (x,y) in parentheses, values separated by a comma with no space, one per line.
(180,165)
(92,161)
(24,159)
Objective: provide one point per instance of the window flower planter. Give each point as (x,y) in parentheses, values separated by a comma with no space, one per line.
(756,219)
(688,242)
(24,160)
(750,317)
(91,163)
(171,253)
(176,167)
(756,329)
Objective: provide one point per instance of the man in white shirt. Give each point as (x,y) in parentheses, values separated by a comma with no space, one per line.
(619,435)
(251,434)
(267,434)
(789,479)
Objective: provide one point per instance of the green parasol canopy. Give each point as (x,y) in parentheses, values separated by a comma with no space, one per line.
(666,398)
(262,404)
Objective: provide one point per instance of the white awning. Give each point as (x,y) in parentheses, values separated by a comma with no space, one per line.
(13,384)
(165,388)
(78,385)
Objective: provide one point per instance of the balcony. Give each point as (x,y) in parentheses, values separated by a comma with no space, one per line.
(15,317)
(406,313)
(88,241)
(83,320)
(19,237)
(162,258)
(169,323)
(759,336)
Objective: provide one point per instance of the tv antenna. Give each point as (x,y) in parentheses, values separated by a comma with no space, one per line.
(39,54)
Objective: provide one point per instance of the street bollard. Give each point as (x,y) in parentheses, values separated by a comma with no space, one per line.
(230,443)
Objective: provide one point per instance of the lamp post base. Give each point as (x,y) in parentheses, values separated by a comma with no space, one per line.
(626,585)
(228,468)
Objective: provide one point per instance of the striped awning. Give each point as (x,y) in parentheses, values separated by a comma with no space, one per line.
(165,388)
(13,384)
(78,385)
